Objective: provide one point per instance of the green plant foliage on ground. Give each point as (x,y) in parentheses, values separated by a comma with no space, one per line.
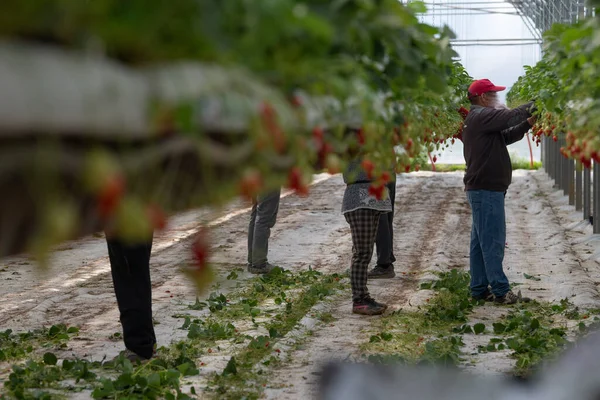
(283,298)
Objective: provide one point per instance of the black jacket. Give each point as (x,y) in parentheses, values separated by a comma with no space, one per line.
(486,133)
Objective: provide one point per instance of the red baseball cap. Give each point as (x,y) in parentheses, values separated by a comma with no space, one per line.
(482,86)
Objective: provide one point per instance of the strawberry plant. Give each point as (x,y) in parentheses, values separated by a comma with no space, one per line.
(280,88)
(564,85)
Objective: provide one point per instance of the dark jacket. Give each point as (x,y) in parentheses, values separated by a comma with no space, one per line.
(486,133)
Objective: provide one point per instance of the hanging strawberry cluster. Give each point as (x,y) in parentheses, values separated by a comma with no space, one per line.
(565,87)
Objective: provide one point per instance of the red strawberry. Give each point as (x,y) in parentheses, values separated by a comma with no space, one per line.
(386,177)
(368,167)
(296,182)
(434,159)
(417,167)
(555,138)
(200,250)
(407,169)
(377,191)
(318,133)
(326,148)
(110,195)
(251,184)
(269,120)
(361,136)
(157,217)
(296,101)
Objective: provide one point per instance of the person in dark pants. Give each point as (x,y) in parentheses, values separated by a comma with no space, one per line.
(130,269)
(384,242)
(489,127)
(262,219)
(363,213)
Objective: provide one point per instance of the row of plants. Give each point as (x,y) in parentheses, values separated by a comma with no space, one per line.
(337,79)
(564,85)
(534,333)
(244,326)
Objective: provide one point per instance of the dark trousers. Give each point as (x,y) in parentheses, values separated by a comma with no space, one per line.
(262,219)
(385,232)
(130,268)
(363,227)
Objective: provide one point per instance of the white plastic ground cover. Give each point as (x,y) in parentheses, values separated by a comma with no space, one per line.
(431,234)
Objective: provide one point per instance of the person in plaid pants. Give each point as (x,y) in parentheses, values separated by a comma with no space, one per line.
(362,212)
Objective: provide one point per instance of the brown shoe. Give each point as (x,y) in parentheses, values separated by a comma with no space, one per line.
(511,298)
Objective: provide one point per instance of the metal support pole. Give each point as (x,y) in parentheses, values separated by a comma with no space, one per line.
(557,165)
(549,158)
(546,159)
(587,194)
(566,178)
(571,185)
(542,155)
(596,198)
(578,186)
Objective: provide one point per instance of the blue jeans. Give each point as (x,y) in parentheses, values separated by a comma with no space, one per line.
(488,238)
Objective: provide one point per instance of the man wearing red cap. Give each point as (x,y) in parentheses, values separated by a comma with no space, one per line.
(489,127)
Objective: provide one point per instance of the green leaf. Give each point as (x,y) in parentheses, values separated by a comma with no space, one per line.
(231,368)
(232,275)
(513,344)
(466,328)
(68,365)
(527,276)
(479,328)
(386,336)
(499,327)
(54,330)
(50,359)
(73,329)
(375,339)
(535,324)
(418,7)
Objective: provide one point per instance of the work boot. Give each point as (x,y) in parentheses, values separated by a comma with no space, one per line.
(367,306)
(511,298)
(382,272)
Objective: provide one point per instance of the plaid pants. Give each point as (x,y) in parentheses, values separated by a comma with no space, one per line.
(363,226)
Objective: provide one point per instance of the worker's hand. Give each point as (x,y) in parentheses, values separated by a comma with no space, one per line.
(532,120)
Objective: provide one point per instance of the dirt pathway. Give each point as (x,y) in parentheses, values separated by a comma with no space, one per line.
(432,227)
